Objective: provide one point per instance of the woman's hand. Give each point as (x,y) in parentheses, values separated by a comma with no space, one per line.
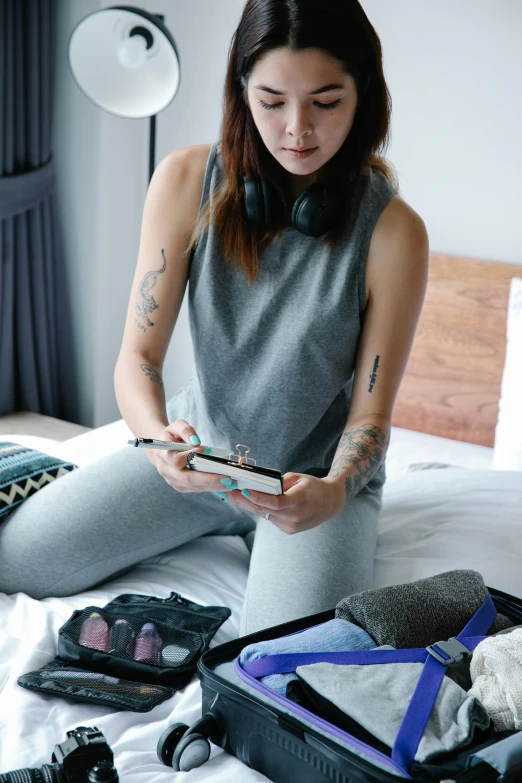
(307,502)
(172,465)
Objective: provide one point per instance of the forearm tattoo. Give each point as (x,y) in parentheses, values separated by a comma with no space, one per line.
(146,303)
(373,376)
(152,374)
(364,447)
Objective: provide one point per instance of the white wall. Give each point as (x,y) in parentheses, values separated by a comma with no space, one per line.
(454,71)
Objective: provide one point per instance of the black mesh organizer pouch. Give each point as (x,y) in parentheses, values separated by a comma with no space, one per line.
(134,641)
(60,678)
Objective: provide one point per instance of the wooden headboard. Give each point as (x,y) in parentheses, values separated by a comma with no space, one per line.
(451,386)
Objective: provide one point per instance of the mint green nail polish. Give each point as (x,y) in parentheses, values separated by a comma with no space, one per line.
(226,481)
(245,492)
(195,440)
(207,451)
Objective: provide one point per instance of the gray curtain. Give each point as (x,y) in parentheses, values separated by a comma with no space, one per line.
(36,361)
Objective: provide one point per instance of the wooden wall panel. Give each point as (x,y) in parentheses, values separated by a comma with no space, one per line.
(451,386)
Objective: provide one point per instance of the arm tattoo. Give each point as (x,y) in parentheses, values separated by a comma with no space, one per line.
(373,376)
(146,303)
(152,374)
(363,447)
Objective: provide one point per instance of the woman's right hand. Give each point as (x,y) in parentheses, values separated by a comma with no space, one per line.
(172,465)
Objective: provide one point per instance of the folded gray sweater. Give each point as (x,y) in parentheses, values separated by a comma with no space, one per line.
(419,613)
(377,696)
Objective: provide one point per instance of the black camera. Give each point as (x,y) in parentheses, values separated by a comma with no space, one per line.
(84,757)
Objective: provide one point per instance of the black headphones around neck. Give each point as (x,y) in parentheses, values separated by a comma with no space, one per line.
(314,212)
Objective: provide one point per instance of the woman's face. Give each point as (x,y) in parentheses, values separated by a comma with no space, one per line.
(296,117)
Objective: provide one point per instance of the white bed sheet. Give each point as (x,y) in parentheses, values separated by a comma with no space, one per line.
(209,570)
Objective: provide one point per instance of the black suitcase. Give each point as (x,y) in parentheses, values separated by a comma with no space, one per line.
(286,747)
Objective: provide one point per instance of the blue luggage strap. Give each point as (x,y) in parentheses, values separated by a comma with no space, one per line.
(435,658)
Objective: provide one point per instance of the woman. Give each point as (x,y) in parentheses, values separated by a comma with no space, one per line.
(306,275)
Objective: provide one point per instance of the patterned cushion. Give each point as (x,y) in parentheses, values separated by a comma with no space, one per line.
(24,471)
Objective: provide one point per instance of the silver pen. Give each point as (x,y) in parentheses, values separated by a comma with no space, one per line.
(169,445)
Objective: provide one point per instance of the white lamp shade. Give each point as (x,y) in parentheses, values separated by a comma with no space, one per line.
(125,62)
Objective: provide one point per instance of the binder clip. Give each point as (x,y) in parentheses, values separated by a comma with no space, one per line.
(242,459)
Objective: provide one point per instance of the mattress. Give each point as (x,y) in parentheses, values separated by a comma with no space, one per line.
(434,519)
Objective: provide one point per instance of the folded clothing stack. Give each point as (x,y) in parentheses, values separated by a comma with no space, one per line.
(496,673)
(377,696)
(419,613)
(332,636)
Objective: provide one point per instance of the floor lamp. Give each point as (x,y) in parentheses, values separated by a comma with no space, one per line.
(126,62)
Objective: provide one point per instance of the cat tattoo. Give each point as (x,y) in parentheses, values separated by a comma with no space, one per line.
(146,303)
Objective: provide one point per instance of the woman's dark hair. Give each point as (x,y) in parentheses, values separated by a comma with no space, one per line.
(342,30)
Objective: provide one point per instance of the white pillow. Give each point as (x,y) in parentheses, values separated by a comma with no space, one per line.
(437,520)
(507,453)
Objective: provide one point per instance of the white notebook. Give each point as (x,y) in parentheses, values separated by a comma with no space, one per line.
(247,476)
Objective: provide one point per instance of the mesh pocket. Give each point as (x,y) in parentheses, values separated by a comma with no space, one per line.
(144,638)
(59,679)
(183,613)
(147,635)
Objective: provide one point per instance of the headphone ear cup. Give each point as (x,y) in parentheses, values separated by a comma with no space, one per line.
(301,206)
(315,210)
(263,205)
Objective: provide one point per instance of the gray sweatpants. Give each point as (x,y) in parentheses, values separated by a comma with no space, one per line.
(105,517)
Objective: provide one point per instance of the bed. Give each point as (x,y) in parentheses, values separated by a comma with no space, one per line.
(445,506)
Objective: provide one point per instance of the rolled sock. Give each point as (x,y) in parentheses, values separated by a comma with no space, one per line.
(496,674)
(377,696)
(419,613)
(332,636)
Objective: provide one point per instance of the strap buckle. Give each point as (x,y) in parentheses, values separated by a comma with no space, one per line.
(453,650)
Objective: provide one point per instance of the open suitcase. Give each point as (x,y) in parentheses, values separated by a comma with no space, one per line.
(288,744)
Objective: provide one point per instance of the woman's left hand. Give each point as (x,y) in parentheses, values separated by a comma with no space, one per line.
(307,502)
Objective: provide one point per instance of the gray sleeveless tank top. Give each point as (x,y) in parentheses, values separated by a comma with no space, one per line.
(274,362)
